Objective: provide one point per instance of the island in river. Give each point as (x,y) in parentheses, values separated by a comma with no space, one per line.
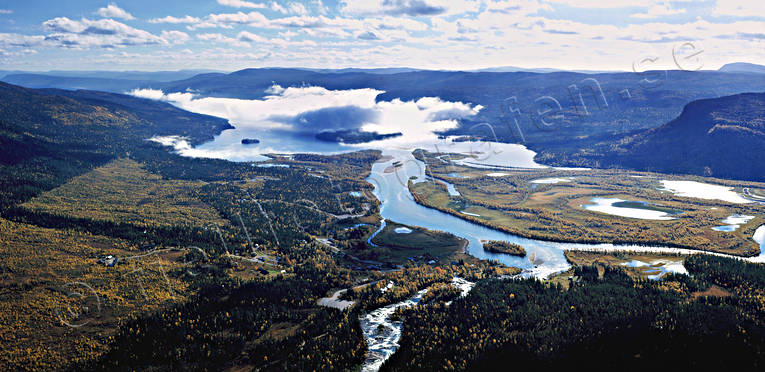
(495,246)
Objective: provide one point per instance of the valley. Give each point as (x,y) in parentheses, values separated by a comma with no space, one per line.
(245,254)
(139,236)
(382,185)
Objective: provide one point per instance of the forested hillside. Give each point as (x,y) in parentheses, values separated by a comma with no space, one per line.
(721,137)
(47,137)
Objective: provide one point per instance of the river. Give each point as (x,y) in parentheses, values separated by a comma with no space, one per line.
(398,205)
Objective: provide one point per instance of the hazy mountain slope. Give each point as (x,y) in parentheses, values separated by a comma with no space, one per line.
(73,83)
(722,137)
(130,75)
(107,81)
(595,108)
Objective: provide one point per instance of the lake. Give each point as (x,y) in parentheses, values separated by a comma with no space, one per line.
(631,209)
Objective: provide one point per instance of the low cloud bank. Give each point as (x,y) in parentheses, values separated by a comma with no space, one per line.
(316,109)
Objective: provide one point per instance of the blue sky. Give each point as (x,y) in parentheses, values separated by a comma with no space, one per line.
(455,34)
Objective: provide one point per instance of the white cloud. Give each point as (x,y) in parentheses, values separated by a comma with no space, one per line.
(740,8)
(6,11)
(175,20)
(113,11)
(288,34)
(218,38)
(104,33)
(20,41)
(297,8)
(607,4)
(241,4)
(175,37)
(277,8)
(491,33)
(250,37)
(253,19)
(227,19)
(319,6)
(659,10)
(191,22)
(290,8)
(408,7)
(516,6)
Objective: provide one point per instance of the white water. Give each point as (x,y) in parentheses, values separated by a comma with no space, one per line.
(397,204)
(659,268)
(382,334)
(759,237)
(449,187)
(402,230)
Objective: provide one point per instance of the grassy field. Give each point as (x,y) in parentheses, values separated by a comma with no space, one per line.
(555,211)
(123,191)
(436,245)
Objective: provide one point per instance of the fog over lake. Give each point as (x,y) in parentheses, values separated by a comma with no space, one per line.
(287,120)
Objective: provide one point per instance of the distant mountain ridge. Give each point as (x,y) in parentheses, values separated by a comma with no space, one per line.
(36,81)
(106,81)
(743,67)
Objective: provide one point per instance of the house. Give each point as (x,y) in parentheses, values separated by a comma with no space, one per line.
(108,261)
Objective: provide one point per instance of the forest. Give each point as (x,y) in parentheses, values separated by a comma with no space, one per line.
(604,322)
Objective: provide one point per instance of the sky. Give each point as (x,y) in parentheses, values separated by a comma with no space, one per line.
(228,35)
